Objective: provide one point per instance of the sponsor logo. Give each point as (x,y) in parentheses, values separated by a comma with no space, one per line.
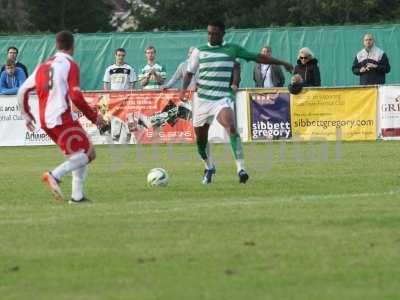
(37,136)
(265,98)
(392,107)
(271,130)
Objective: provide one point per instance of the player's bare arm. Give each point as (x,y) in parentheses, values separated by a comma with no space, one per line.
(235,77)
(23,100)
(262,59)
(186,81)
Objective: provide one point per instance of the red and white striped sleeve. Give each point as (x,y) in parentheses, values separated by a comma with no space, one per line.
(75,94)
(23,96)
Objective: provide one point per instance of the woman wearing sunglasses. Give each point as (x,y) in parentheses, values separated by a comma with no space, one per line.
(307,68)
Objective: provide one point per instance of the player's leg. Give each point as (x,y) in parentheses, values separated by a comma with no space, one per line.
(79,177)
(226,118)
(201,123)
(77,147)
(78,181)
(202,144)
(74,142)
(203,148)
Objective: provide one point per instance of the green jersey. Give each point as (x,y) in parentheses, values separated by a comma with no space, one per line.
(152,84)
(215,66)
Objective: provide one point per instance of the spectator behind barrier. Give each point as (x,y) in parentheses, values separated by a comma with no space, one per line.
(12,53)
(371,63)
(119,76)
(307,68)
(152,75)
(180,73)
(11,79)
(268,76)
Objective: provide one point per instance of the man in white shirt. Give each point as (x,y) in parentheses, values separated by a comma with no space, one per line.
(268,75)
(119,77)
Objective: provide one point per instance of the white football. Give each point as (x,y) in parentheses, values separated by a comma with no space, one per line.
(157,177)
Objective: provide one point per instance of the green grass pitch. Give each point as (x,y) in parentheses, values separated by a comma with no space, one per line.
(315,221)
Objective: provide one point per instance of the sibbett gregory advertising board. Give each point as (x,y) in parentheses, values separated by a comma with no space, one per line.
(269,112)
(335,114)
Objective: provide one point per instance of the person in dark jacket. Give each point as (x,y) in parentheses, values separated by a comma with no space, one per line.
(268,76)
(371,63)
(12,53)
(307,68)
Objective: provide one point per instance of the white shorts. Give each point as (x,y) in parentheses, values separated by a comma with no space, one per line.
(204,111)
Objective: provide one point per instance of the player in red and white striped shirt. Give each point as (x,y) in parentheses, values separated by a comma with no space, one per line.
(57,85)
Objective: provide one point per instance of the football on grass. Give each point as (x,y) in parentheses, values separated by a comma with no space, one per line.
(157,177)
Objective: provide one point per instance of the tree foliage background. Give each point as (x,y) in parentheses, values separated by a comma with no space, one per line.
(55,15)
(147,15)
(75,15)
(184,14)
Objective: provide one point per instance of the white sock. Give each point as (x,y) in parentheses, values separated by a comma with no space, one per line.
(208,163)
(78,181)
(239,164)
(76,161)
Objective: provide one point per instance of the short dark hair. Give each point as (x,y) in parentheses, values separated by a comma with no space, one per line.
(120,50)
(12,47)
(10,63)
(218,23)
(64,40)
(149,48)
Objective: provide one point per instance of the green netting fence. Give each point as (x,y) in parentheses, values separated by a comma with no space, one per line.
(334,46)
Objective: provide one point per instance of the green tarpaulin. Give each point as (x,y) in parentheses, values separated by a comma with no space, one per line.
(334,46)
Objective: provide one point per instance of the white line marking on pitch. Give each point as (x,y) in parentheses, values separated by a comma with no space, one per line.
(135,209)
(268,200)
